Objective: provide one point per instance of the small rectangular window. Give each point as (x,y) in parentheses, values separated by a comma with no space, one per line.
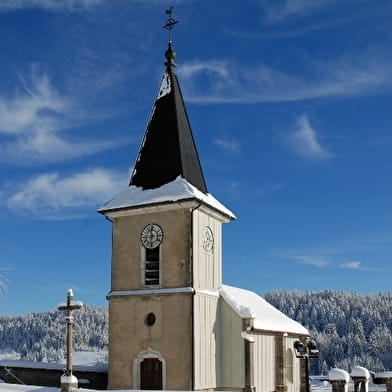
(151,277)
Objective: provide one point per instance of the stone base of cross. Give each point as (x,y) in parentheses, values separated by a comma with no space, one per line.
(68,383)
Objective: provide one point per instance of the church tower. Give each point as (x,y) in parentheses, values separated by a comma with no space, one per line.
(173,324)
(166,259)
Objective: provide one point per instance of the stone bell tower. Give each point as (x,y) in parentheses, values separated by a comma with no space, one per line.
(166,259)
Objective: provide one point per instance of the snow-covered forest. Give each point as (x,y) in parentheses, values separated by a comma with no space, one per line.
(350,329)
(40,336)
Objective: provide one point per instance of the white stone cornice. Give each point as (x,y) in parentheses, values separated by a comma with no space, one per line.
(130,293)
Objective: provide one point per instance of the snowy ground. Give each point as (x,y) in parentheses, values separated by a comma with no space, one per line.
(317,387)
(26,388)
(9,354)
(29,388)
(94,359)
(79,358)
(325,386)
(89,358)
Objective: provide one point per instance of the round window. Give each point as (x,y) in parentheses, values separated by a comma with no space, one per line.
(150,319)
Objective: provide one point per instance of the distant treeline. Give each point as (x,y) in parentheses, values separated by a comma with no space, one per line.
(40,336)
(350,329)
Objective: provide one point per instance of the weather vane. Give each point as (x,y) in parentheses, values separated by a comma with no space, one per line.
(170,22)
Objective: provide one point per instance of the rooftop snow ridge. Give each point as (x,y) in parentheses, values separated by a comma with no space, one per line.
(248,304)
(179,189)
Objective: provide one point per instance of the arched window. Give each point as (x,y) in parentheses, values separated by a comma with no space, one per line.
(289,365)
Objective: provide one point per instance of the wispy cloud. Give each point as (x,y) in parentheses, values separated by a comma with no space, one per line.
(228,145)
(315,261)
(267,189)
(36,101)
(51,196)
(332,257)
(358,265)
(52,5)
(298,30)
(354,265)
(275,11)
(304,141)
(3,279)
(224,81)
(34,120)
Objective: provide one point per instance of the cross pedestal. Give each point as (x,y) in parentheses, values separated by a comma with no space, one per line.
(68,383)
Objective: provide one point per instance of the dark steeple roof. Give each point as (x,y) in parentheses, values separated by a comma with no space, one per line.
(168,149)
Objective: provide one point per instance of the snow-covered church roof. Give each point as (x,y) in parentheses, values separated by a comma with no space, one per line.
(177,190)
(266,317)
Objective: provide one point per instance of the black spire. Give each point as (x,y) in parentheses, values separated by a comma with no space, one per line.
(168,149)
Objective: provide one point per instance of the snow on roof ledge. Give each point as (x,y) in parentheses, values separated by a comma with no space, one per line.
(266,317)
(179,189)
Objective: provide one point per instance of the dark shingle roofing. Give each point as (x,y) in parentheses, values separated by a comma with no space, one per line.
(168,149)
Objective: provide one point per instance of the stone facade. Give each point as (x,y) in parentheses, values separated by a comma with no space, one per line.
(170,337)
(127,249)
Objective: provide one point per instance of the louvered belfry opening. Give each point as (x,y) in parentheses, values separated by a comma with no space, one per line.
(152,267)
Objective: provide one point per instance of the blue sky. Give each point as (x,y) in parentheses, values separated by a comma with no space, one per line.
(290,106)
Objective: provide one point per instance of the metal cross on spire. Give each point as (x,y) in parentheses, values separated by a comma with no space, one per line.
(170,22)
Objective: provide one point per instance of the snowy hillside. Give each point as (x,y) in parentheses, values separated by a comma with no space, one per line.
(40,336)
(350,329)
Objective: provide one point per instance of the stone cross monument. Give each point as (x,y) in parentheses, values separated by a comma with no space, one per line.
(68,381)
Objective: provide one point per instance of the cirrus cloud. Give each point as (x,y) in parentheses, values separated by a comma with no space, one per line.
(38,100)
(35,121)
(354,265)
(276,11)
(52,196)
(315,261)
(228,145)
(304,140)
(225,81)
(51,5)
